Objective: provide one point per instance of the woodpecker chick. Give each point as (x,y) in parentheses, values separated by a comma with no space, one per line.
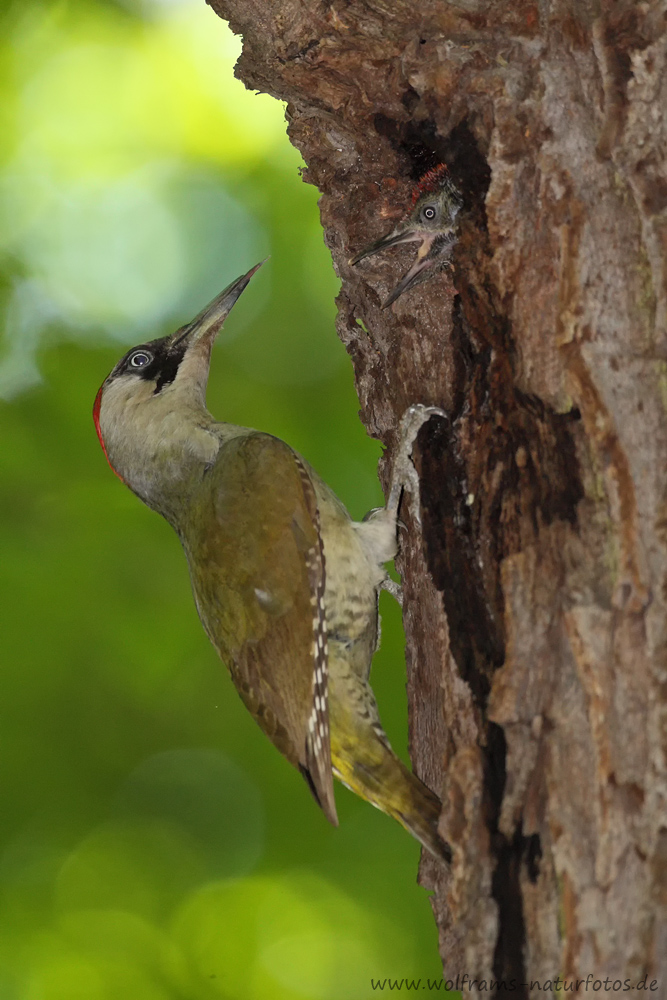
(431,222)
(285,583)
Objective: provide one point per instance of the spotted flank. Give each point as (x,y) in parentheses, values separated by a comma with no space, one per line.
(431,182)
(318,739)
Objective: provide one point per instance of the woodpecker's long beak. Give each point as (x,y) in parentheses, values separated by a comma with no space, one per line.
(434,251)
(430,253)
(392,240)
(206,326)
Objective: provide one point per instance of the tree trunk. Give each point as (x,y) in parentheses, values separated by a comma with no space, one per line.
(535,600)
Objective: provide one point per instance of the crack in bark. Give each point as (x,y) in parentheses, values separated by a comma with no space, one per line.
(508,959)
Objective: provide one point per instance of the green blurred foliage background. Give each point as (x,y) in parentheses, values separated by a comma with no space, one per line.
(153,844)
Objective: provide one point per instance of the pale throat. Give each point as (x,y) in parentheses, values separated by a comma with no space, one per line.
(156,443)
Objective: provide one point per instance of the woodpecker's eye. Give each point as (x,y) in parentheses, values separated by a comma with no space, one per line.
(429,212)
(140,359)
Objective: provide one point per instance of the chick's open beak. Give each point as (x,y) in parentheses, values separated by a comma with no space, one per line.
(392,240)
(433,253)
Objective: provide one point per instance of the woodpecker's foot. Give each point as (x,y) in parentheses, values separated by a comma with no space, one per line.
(404,475)
(370,514)
(394,589)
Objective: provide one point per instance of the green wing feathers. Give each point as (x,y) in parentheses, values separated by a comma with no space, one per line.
(258,574)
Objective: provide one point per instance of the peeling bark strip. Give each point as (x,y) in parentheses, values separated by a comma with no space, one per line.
(535,611)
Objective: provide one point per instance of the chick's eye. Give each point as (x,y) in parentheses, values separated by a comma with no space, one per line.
(140,359)
(429,212)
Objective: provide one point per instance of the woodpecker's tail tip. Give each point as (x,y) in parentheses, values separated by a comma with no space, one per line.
(439,848)
(423,826)
(419,813)
(364,761)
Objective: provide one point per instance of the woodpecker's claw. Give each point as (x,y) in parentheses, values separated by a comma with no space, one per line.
(394,589)
(404,475)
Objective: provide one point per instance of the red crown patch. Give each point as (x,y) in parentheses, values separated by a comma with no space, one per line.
(432,181)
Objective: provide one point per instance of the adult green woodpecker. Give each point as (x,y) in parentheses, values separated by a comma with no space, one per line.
(285,583)
(431,222)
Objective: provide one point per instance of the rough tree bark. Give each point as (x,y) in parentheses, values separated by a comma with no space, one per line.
(535,606)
